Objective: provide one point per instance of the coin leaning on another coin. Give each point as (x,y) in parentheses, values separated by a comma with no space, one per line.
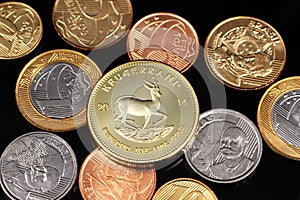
(278,117)
(143,112)
(38,165)
(53,88)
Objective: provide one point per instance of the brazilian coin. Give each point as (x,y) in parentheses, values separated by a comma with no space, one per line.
(143,112)
(226,148)
(184,188)
(164,37)
(245,53)
(102,178)
(52,90)
(38,165)
(278,117)
(20,29)
(89,24)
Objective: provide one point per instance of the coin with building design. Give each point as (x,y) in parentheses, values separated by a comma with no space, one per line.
(52,90)
(143,112)
(38,165)
(245,53)
(278,117)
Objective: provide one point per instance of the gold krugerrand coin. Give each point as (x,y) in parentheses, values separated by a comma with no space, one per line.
(52,89)
(278,117)
(92,24)
(245,53)
(143,112)
(20,29)
(184,188)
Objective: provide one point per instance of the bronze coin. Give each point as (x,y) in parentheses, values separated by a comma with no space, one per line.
(102,178)
(20,29)
(164,37)
(245,53)
(92,24)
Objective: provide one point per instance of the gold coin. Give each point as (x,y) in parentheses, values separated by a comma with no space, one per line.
(20,29)
(143,112)
(245,53)
(92,24)
(278,117)
(53,88)
(184,188)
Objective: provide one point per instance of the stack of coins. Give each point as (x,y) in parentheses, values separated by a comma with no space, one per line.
(142,114)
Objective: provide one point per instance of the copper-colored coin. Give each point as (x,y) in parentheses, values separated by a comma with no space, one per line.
(102,178)
(184,188)
(164,37)
(278,117)
(20,29)
(92,24)
(53,88)
(245,53)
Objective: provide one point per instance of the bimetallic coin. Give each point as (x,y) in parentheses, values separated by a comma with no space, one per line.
(20,29)
(164,37)
(245,53)
(143,112)
(52,90)
(92,24)
(102,178)
(278,117)
(226,148)
(38,165)
(184,188)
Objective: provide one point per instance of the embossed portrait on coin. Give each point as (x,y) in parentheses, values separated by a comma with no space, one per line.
(142,118)
(232,161)
(244,52)
(60,90)
(29,170)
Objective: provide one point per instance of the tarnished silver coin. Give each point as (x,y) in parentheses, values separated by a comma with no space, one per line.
(38,166)
(226,148)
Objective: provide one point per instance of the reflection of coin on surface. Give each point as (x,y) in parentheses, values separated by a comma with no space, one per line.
(38,165)
(92,24)
(164,37)
(278,117)
(143,112)
(184,188)
(245,53)
(53,88)
(102,178)
(20,30)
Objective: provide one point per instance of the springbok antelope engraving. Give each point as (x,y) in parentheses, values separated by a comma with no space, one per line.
(142,107)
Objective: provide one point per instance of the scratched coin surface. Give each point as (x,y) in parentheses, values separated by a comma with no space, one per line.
(278,117)
(184,188)
(102,178)
(20,29)
(164,37)
(92,24)
(143,112)
(38,165)
(53,88)
(245,53)
(226,148)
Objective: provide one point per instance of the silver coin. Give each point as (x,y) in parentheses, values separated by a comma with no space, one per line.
(38,166)
(226,148)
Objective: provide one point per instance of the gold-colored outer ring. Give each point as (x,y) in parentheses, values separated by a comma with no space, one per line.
(22,89)
(264,117)
(184,188)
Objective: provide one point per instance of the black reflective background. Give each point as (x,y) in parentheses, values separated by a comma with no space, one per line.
(276,177)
